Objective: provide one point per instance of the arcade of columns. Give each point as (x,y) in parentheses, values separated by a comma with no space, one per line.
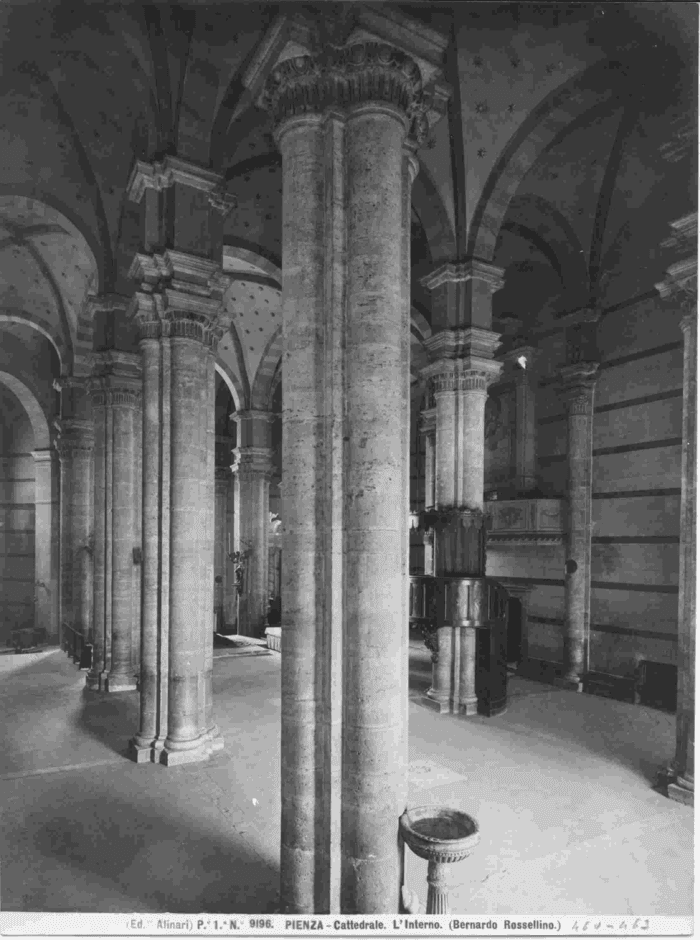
(140,487)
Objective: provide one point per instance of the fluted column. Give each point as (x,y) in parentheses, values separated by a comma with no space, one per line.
(254,470)
(681,287)
(116,398)
(578,389)
(341,126)
(178,326)
(75,445)
(46,527)
(522,361)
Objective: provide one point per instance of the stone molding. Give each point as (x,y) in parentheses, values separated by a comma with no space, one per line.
(252,461)
(463,343)
(181,296)
(578,383)
(75,435)
(171,170)
(347,76)
(115,396)
(460,272)
(44,455)
(104,303)
(470,381)
(427,421)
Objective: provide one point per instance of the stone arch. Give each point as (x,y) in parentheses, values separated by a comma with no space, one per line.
(543,127)
(30,403)
(44,615)
(261,393)
(430,207)
(233,383)
(64,353)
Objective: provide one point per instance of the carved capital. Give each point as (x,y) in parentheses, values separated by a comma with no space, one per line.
(578,383)
(181,296)
(344,76)
(76,437)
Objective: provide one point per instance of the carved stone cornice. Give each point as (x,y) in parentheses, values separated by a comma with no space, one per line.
(252,462)
(577,386)
(75,436)
(181,295)
(344,76)
(463,343)
(165,173)
(459,272)
(427,421)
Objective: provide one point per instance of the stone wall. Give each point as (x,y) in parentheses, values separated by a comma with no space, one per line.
(16,517)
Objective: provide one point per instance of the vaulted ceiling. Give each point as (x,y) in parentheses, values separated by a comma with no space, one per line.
(566,149)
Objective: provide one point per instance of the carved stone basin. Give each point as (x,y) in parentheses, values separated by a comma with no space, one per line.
(439,834)
(442,836)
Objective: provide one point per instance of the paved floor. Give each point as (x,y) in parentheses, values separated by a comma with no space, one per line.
(561,786)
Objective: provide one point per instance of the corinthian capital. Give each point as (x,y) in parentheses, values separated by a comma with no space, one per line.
(342,76)
(578,383)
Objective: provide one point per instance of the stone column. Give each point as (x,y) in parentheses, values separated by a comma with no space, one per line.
(341,126)
(75,445)
(221,562)
(178,324)
(522,360)
(427,427)
(680,286)
(254,470)
(116,398)
(461,369)
(578,389)
(46,541)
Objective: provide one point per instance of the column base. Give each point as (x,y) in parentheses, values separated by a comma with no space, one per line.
(93,683)
(681,791)
(571,683)
(206,746)
(120,684)
(469,708)
(434,705)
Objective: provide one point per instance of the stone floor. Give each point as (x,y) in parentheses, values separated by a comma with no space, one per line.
(561,786)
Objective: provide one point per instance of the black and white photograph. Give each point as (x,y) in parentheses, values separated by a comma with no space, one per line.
(348,468)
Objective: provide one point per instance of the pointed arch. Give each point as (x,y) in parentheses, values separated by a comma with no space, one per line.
(262,389)
(30,403)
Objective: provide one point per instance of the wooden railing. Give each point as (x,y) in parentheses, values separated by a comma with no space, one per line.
(75,645)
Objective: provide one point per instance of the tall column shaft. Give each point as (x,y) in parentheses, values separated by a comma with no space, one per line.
(221,541)
(376,370)
(115,402)
(75,448)
(522,360)
(684,764)
(342,126)
(176,723)
(254,472)
(579,386)
(46,541)
(461,368)
(305,851)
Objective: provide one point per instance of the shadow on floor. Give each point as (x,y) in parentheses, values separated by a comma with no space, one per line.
(141,856)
